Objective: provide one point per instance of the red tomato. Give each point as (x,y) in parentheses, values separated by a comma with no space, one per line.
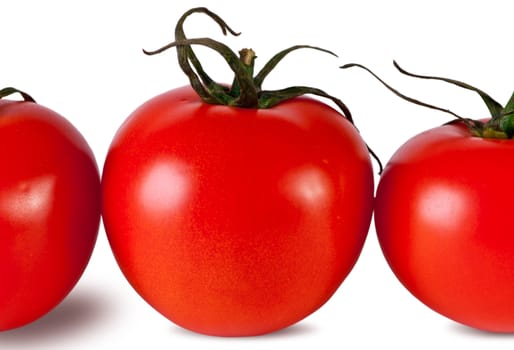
(235,221)
(49,210)
(442,217)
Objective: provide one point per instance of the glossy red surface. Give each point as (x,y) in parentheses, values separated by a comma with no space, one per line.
(442,216)
(49,210)
(235,221)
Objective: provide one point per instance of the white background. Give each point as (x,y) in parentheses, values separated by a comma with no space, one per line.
(83,59)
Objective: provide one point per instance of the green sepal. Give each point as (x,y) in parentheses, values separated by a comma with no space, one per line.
(10,90)
(501,124)
(495,109)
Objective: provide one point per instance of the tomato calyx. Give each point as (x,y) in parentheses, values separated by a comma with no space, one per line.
(10,90)
(246,89)
(500,126)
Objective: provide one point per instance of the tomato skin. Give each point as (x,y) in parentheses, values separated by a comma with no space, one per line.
(49,210)
(442,214)
(231,221)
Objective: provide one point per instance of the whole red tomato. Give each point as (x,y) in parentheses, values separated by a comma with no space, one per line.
(236,220)
(49,210)
(233,221)
(442,212)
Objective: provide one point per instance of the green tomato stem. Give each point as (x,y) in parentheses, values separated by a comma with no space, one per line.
(500,126)
(10,90)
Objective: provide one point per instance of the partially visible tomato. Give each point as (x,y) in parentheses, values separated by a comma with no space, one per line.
(442,217)
(49,210)
(442,214)
(233,221)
